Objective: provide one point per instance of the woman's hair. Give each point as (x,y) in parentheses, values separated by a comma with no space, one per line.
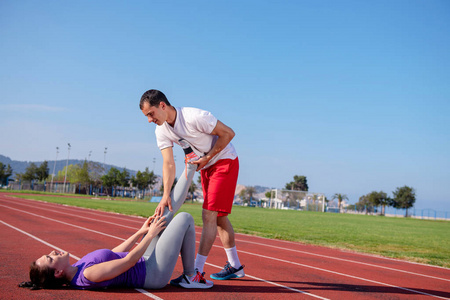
(154,98)
(43,278)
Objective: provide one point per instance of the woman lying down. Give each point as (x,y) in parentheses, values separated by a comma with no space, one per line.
(149,265)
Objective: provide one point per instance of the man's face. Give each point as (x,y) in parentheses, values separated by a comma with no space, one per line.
(155,114)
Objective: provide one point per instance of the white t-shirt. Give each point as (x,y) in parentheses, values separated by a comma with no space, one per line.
(195,126)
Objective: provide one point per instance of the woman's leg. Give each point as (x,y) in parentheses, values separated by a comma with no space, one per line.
(178,237)
(180,191)
(178,196)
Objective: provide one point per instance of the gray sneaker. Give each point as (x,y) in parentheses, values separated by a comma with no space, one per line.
(229,272)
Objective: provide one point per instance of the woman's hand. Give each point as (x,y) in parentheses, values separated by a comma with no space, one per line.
(156,226)
(146,225)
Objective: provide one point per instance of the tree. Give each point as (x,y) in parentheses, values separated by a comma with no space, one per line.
(299,184)
(340,198)
(30,172)
(379,198)
(83,173)
(42,171)
(144,179)
(95,173)
(82,176)
(247,193)
(111,178)
(243,195)
(404,197)
(5,172)
(364,203)
(124,178)
(270,194)
(72,171)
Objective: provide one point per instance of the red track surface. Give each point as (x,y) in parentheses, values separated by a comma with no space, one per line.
(274,269)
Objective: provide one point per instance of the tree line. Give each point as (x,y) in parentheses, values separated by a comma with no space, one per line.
(85,175)
(402,198)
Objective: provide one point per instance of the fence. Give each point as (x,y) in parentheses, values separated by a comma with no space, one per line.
(76,188)
(424,214)
(305,201)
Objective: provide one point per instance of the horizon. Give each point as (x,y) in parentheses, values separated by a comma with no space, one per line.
(329,197)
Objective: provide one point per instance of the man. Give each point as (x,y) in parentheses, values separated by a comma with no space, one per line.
(219,165)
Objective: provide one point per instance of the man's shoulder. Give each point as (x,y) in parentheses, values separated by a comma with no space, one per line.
(193,113)
(193,110)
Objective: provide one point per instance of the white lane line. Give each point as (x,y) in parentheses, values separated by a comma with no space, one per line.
(98,232)
(67,207)
(345,260)
(356,253)
(81,217)
(342,274)
(144,292)
(65,223)
(276,284)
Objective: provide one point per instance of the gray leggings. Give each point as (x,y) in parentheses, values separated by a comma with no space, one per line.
(178,238)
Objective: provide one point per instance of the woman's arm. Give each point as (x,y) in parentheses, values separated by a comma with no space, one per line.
(111,269)
(132,240)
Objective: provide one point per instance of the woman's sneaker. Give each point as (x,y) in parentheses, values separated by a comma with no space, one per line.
(229,272)
(196,281)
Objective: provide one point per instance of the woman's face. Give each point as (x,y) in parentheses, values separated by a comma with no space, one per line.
(58,260)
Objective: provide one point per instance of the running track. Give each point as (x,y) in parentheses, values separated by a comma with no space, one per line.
(274,269)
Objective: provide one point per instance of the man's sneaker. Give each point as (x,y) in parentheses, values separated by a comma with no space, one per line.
(229,272)
(196,281)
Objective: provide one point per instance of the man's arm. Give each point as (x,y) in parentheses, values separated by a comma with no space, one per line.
(169,172)
(225,134)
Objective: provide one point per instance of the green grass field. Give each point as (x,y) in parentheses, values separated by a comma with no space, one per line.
(424,241)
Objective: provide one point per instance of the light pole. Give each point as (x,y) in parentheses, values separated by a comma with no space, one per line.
(54,166)
(67,165)
(104,160)
(154,161)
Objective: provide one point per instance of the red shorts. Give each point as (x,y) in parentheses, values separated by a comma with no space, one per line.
(219,184)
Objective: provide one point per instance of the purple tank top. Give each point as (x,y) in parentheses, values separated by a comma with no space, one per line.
(134,277)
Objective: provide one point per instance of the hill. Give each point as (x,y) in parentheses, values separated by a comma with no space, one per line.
(21,166)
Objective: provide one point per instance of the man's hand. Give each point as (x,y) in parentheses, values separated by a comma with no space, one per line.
(165,201)
(201,162)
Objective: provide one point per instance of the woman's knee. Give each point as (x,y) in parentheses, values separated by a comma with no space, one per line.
(185,218)
(157,285)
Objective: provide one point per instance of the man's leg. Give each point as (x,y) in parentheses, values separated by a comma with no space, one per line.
(226,234)
(208,237)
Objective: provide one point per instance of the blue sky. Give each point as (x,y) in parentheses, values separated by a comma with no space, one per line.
(355,95)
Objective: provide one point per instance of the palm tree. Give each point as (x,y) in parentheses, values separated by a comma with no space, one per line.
(340,198)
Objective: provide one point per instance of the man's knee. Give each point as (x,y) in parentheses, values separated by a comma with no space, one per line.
(209,216)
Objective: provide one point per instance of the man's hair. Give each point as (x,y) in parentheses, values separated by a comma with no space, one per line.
(43,278)
(153,97)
